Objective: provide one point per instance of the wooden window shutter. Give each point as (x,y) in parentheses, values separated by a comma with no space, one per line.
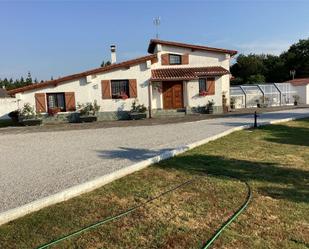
(40,102)
(133,88)
(106,89)
(165,59)
(69,101)
(211,86)
(185,59)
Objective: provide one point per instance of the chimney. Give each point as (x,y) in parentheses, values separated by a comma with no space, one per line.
(113,54)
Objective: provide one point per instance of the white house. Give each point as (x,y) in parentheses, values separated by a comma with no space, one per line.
(173,76)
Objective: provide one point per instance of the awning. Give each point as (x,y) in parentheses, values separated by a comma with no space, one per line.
(186,73)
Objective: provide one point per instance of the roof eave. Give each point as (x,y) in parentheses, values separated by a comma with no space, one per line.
(65,79)
(154,42)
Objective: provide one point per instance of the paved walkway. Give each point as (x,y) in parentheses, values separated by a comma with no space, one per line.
(36,165)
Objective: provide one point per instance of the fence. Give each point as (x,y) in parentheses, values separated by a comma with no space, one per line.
(266,94)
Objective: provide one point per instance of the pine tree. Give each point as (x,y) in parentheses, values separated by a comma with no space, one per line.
(29,79)
(104,64)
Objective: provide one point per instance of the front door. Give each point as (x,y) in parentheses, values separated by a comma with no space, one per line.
(172,95)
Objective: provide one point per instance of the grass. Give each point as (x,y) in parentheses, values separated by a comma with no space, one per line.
(273,159)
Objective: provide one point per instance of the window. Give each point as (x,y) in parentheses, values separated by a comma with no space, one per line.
(120,89)
(175,59)
(202,85)
(56,100)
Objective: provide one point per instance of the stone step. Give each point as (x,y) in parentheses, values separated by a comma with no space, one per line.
(169,113)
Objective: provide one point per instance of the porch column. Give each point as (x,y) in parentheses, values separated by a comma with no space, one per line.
(186,95)
(150,99)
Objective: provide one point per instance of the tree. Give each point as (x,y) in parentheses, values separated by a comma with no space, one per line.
(29,79)
(248,65)
(104,64)
(274,68)
(297,58)
(256,78)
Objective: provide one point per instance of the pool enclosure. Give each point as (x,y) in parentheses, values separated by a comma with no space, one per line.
(263,95)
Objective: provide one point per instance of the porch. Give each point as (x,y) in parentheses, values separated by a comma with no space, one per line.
(185,89)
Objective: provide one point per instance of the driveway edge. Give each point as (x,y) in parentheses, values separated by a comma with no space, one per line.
(77,190)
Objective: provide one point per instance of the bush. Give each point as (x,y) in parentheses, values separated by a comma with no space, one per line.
(138,107)
(88,109)
(14,115)
(210,104)
(27,112)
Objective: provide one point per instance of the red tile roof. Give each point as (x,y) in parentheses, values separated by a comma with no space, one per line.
(83,74)
(187,73)
(299,82)
(154,42)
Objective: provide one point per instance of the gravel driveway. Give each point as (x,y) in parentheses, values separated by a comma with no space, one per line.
(35,165)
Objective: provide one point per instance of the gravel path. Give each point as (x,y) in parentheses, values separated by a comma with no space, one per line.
(35,165)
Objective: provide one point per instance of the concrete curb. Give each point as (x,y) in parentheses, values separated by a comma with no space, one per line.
(103,180)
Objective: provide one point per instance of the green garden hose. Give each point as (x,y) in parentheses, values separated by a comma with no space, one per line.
(115,217)
(230,220)
(130,210)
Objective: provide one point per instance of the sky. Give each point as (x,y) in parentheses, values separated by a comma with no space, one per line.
(57,38)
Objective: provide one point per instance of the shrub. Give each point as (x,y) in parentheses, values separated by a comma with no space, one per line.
(28,112)
(88,109)
(14,115)
(138,107)
(210,104)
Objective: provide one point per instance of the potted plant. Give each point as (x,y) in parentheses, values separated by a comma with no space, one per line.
(28,116)
(123,96)
(137,111)
(232,102)
(210,106)
(88,112)
(202,93)
(258,104)
(296,99)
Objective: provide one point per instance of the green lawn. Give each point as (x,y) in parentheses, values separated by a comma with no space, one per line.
(273,159)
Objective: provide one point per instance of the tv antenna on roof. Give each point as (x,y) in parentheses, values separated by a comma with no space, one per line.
(157,22)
